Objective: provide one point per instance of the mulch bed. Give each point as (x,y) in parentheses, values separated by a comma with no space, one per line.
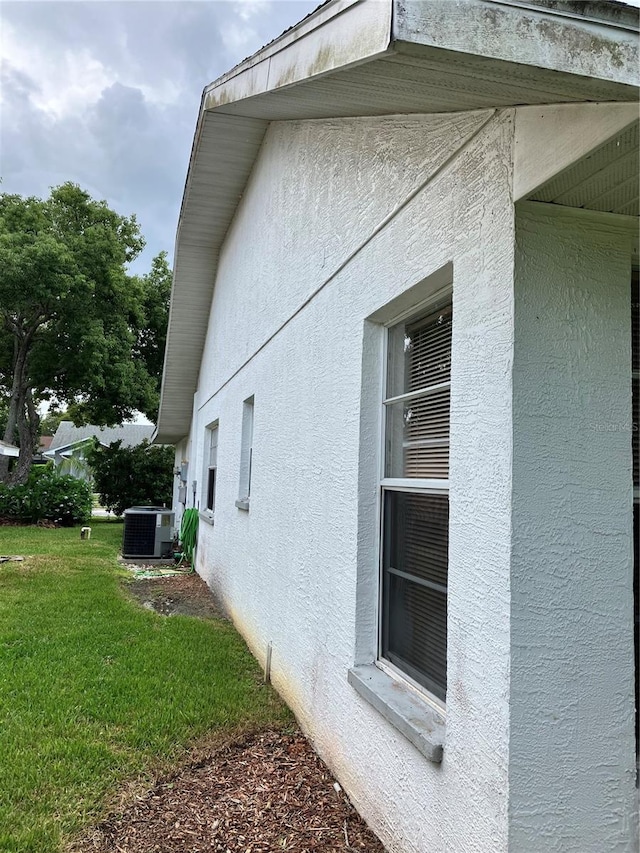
(268,793)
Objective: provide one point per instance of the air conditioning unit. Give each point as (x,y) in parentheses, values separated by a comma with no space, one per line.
(148,532)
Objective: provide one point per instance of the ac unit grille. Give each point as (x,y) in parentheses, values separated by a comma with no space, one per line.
(139,534)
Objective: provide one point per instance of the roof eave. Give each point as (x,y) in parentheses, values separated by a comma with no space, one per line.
(308,49)
(281,82)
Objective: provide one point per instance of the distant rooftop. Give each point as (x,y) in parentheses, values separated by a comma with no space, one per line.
(130,434)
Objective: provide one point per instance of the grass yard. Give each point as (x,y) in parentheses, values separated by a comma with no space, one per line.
(94,689)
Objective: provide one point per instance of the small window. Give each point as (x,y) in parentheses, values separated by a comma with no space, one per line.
(246,455)
(415,500)
(211,464)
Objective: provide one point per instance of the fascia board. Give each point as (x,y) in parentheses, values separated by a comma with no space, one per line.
(537,37)
(339,35)
(315,19)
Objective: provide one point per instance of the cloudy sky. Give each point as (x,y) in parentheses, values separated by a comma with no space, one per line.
(106,94)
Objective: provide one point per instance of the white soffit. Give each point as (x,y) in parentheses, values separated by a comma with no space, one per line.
(549,139)
(606,179)
(365,58)
(223,154)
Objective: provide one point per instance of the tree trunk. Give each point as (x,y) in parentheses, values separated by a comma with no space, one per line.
(22,415)
(12,417)
(28,424)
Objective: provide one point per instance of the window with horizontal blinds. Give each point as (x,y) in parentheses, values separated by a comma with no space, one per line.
(415,535)
(414,629)
(418,398)
(428,350)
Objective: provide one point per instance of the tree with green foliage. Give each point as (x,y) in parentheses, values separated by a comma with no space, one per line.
(132,476)
(50,422)
(155,291)
(74,325)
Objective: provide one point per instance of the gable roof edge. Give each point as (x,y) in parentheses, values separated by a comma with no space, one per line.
(294,77)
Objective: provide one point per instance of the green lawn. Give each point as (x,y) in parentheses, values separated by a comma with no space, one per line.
(94,689)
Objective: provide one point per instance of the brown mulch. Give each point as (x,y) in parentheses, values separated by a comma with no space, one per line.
(11,522)
(268,793)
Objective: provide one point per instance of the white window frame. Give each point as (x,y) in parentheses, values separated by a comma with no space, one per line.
(210,466)
(441,298)
(246,454)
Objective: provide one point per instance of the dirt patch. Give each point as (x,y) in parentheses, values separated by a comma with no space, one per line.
(185,595)
(268,793)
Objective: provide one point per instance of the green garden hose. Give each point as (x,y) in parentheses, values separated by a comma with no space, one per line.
(189,532)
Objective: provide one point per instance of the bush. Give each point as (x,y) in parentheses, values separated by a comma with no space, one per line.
(46,497)
(132,476)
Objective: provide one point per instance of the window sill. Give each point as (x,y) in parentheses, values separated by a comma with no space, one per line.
(206,517)
(418,721)
(243,505)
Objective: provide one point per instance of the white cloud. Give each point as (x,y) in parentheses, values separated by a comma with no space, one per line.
(64,86)
(250,8)
(70,79)
(238,36)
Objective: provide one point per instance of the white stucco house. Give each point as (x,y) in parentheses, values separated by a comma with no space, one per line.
(69,445)
(399,381)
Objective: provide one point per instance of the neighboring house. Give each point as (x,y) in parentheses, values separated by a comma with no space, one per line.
(69,445)
(9,449)
(399,381)
(44,443)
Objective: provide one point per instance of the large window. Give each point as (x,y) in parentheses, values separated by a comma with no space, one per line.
(415,498)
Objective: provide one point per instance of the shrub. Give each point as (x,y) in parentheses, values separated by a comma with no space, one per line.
(46,497)
(132,476)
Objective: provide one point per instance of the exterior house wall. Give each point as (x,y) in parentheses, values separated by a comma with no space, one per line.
(320,244)
(572,746)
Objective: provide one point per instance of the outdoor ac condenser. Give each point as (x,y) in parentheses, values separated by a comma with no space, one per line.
(148,532)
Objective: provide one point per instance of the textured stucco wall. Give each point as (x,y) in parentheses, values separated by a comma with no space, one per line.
(340,218)
(572,761)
